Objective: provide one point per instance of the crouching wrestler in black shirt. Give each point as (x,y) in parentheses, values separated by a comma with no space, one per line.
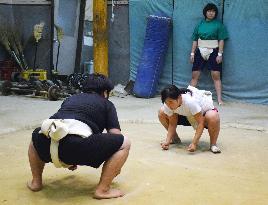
(93,109)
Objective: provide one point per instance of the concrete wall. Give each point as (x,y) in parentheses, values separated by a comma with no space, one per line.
(87,48)
(119,44)
(67,17)
(24,17)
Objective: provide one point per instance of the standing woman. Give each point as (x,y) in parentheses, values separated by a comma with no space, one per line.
(207,48)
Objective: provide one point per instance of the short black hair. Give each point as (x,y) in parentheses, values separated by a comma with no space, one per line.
(210,6)
(97,83)
(171,91)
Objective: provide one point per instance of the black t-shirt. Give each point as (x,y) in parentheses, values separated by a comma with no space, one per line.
(94,110)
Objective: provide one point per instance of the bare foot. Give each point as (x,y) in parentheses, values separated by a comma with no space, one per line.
(191,147)
(33,186)
(73,167)
(111,193)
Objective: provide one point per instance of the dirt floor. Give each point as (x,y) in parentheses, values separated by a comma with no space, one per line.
(239,175)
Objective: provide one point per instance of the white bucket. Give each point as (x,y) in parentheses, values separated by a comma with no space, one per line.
(89,67)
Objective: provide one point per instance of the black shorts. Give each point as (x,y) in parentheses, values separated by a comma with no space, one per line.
(75,150)
(200,63)
(182,120)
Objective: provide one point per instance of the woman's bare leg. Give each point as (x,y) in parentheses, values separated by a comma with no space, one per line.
(216,76)
(213,123)
(165,122)
(110,170)
(195,78)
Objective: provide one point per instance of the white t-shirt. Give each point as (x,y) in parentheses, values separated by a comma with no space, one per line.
(189,107)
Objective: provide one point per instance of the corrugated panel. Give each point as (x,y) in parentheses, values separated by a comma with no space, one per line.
(245,74)
(139,10)
(187,14)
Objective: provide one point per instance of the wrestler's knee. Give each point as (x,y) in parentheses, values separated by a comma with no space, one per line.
(215,75)
(161,113)
(126,144)
(212,117)
(31,148)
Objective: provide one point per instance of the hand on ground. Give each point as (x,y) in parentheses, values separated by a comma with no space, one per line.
(191,147)
(164,145)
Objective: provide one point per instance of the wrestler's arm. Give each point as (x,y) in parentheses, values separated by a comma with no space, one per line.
(112,125)
(198,132)
(171,130)
(194,46)
(221,47)
(114,131)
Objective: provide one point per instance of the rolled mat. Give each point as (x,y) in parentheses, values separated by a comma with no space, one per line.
(153,56)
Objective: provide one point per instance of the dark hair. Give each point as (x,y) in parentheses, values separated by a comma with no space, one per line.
(97,83)
(171,91)
(210,6)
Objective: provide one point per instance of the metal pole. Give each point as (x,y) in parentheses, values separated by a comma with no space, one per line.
(57,60)
(77,68)
(52,21)
(36,44)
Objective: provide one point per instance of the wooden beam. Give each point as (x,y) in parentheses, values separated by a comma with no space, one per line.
(100,37)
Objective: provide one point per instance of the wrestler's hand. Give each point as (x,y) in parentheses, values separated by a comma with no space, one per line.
(192,59)
(192,147)
(73,167)
(165,145)
(219,59)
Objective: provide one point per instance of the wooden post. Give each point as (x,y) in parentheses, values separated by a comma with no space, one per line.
(100,37)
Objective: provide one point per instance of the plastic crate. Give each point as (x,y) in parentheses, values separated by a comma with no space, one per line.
(38,73)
